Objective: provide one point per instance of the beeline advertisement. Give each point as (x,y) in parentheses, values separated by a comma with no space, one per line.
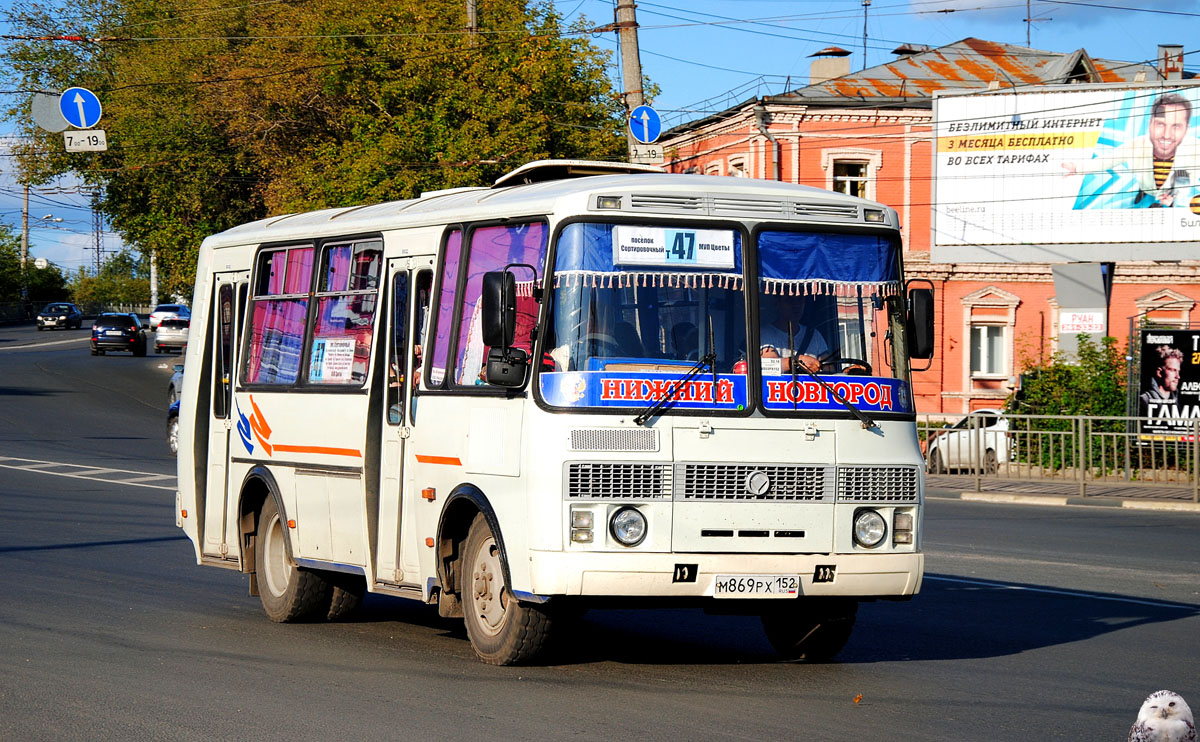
(1068,173)
(1169,391)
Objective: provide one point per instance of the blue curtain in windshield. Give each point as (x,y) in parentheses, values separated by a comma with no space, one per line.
(824,263)
(585,256)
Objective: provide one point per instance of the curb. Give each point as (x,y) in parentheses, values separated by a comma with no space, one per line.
(1015,498)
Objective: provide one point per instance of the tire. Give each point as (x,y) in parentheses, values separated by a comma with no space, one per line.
(94,351)
(814,630)
(991,464)
(173,435)
(346,595)
(502,631)
(157,349)
(40,328)
(140,350)
(288,593)
(171,396)
(937,465)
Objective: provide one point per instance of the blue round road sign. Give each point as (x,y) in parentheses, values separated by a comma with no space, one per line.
(80,107)
(645,124)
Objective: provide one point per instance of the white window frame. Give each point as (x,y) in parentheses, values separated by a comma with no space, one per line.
(871,158)
(994,299)
(1001,366)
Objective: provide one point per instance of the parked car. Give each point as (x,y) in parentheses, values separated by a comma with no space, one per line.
(168,311)
(171,333)
(176,384)
(173,428)
(118,332)
(59,314)
(959,446)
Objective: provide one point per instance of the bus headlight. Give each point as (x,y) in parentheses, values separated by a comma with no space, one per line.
(869,528)
(902,528)
(628,526)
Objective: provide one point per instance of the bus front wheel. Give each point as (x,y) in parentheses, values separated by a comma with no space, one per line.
(502,630)
(813,629)
(288,593)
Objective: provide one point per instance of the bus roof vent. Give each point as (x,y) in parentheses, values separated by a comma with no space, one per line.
(732,205)
(838,212)
(614,439)
(666,202)
(543,170)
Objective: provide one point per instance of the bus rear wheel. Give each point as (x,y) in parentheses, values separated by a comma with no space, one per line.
(502,630)
(814,629)
(288,593)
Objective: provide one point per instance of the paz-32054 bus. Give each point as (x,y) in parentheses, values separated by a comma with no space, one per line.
(587,385)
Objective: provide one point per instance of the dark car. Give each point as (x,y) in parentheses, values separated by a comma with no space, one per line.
(59,314)
(118,332)
(173,427)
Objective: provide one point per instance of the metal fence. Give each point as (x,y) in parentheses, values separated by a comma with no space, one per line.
(1073,450)
(16,311)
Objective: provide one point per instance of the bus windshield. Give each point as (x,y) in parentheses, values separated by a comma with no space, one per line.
(634,307)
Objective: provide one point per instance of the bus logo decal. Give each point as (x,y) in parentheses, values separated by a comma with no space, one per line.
(257,424)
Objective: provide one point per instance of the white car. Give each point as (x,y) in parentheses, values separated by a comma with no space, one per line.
(175,387)
(983,443)
(168,311)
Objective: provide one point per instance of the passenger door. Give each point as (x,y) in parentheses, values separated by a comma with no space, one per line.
(227,307)
(409,284)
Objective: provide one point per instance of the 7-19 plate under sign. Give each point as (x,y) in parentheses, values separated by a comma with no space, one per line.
(86,140)
(695,248)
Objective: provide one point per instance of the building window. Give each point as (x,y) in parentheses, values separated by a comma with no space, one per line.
(737,167)
(987,350)
(850,178)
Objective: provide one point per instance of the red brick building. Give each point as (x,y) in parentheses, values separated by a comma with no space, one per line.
(870,134)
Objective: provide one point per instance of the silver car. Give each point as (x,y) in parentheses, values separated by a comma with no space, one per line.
(168,311)
(171,333)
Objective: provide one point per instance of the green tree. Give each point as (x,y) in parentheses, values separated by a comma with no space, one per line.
(41,285)
(1091,383)
(219,113)
(122,279)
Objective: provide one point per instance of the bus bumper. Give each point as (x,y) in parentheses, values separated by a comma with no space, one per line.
(659,575)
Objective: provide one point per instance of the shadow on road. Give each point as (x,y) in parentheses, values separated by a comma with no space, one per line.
(947,621)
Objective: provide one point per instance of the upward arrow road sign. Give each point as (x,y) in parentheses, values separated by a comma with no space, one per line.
(645,124)
(80,107)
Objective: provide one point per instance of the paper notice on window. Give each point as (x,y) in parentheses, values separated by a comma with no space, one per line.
(673,248)
(332,360)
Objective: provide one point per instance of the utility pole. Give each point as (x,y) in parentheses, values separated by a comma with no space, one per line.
(25,229)
(631,63)
(866,4)
(97,233)
(472,23)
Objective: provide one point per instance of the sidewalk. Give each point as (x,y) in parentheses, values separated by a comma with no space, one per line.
(1041,492)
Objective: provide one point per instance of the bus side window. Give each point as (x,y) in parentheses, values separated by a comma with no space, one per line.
(424,293)
(222,383)
(397,349)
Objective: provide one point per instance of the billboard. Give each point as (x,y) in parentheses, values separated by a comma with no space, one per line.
(1169,386)
(1067,173)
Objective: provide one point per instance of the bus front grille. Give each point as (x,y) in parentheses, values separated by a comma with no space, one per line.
(877,484)
(616,481)
(771,483)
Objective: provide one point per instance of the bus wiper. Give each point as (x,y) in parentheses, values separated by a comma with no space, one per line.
(867,422)
(709,360)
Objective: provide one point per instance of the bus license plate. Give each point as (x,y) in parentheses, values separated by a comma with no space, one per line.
(756,586)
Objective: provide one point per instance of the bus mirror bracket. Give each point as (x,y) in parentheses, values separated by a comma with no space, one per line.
(920,321)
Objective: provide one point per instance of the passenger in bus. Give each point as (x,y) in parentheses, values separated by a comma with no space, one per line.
(810,346)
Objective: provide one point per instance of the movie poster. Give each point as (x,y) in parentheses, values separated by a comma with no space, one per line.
(1169,390)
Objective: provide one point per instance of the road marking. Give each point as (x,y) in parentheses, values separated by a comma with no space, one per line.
(86,472)
(1068,593)
(35,346)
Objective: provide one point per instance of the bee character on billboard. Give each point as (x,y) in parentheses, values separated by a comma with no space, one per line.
(1157,170)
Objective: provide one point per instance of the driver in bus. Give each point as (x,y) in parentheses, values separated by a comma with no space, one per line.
(810,347)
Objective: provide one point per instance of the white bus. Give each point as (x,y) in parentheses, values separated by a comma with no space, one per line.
(588,385)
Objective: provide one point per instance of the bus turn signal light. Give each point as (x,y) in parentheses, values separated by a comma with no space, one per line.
(429,542)
(291,523)
(429,493)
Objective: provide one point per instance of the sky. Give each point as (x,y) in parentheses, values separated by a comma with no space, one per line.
(706,55)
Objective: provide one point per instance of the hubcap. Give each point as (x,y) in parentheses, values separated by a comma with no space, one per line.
(275,564)
(487,584)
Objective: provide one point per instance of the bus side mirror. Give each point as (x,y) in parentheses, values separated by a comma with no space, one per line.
(499,308)
(920,323)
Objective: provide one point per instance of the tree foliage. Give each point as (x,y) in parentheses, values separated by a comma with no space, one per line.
(1091,383)
(41,285)
(218,112)
(123,279)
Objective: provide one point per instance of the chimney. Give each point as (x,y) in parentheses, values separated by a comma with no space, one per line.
(907,50)
(830,62)
(1170,61)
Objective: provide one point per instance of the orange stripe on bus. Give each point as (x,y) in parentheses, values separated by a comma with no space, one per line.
(450,460)
(319,449)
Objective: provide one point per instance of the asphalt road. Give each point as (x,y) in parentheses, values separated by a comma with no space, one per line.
(1033,623)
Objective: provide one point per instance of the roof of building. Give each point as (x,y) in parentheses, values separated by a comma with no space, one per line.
(970,64)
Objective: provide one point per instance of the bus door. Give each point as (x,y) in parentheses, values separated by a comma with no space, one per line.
(227,307)
(410,282)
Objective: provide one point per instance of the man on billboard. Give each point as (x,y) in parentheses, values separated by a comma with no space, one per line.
(1164,385)
(1158,170)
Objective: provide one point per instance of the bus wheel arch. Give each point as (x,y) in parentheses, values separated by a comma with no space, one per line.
(258,485)
(466,502)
